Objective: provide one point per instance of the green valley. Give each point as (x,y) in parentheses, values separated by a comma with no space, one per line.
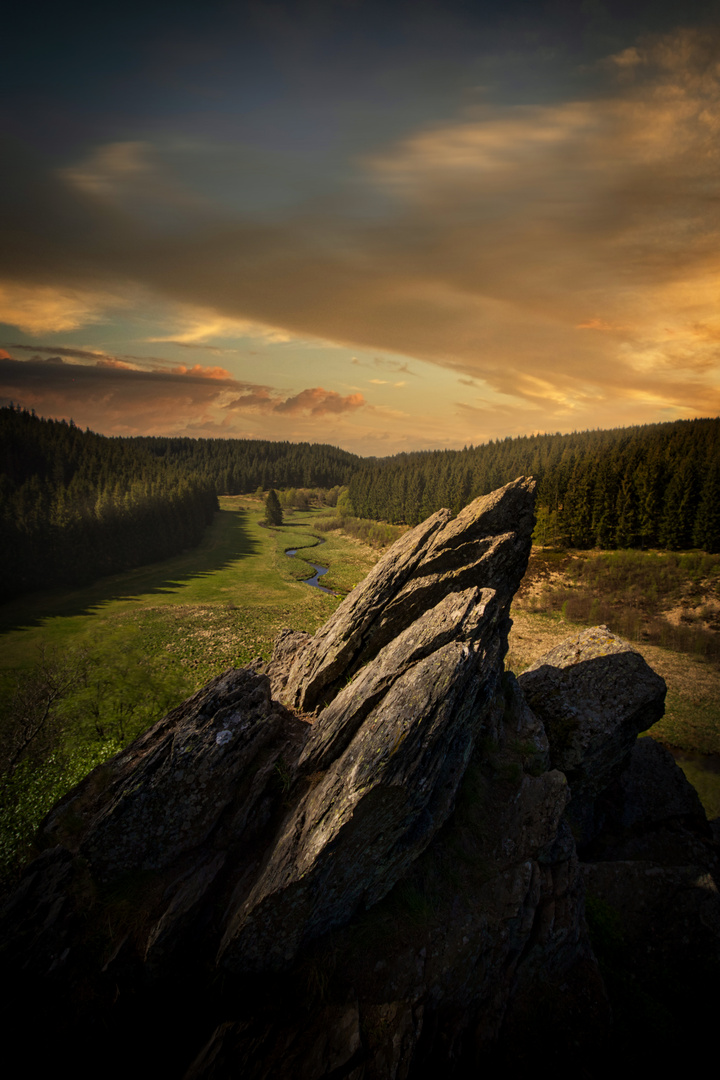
(135,644)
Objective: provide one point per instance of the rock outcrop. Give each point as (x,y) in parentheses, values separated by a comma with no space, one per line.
(359,862)
(594,694)
(485,547)
(653,869)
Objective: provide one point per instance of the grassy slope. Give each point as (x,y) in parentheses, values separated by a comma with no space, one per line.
(156,634)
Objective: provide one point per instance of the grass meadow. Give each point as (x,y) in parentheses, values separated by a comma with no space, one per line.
(138,643)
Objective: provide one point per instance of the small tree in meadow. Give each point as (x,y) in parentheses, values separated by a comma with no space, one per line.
(273,509)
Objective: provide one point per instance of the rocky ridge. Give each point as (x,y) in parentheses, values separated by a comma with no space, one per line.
(370,858)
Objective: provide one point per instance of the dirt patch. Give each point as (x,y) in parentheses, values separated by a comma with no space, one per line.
(705,612)
(532,636)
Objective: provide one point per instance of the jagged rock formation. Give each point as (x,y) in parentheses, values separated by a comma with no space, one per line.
(648,860)
(485,547)
(359,862)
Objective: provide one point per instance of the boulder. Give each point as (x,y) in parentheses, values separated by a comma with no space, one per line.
(652,791)
(441,970)
(156,824)
(594,694)
(654,862)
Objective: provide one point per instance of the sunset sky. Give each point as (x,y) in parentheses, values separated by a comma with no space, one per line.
(387,226)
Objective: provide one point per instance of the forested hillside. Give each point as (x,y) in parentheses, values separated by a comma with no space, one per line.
(651,486)
(238,466)
(75,505)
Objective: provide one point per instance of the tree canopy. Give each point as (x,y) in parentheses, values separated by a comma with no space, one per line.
(75,505)
(651,486)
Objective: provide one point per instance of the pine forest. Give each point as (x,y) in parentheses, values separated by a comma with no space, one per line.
(651,486)
(75,505)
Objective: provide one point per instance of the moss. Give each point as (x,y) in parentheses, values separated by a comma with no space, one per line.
(605,927)
(414,902)
(284,775)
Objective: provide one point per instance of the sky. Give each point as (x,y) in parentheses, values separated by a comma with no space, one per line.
(385,226)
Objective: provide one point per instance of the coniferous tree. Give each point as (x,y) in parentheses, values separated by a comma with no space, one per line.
(681,499)
(273,509)
(706,533)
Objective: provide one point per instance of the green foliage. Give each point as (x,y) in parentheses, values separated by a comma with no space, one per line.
(344,504)
(375,533)
(32,791)
(304,498)
(75,505)
(547,531)
(32,720)
(273,510)
(284,775)
(64,715)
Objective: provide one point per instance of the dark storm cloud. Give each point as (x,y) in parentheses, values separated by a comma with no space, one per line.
(60,350)
(119,397)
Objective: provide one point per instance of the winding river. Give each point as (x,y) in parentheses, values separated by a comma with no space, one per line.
(319,570)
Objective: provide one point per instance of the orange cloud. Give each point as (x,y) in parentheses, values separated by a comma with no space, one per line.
(202,372)
(112,396)
(111,362)
(258,397)
(314,402)
(317,402)
(129,363)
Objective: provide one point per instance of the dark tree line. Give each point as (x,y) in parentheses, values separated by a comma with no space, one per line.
(240,466)
(75,505)
(651,486)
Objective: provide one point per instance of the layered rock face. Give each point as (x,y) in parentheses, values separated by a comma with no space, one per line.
(360,861)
